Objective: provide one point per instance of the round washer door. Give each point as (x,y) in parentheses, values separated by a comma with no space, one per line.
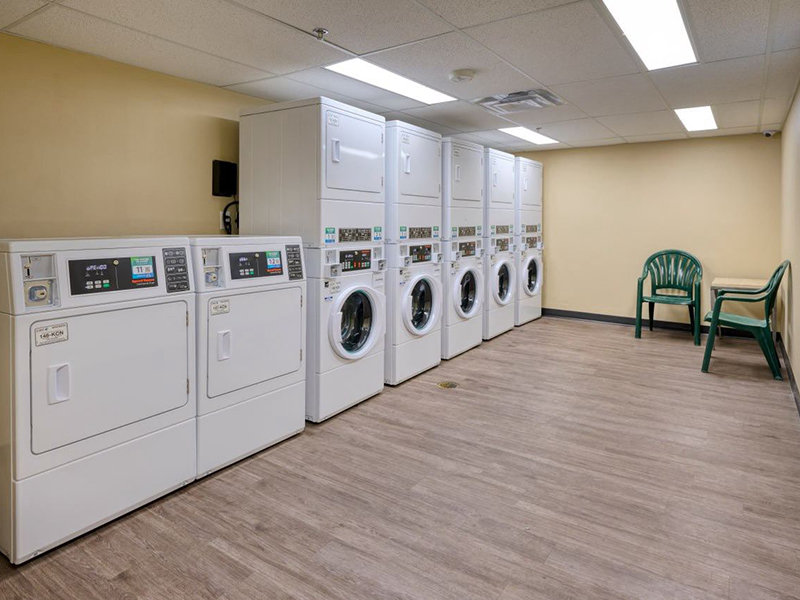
(503,281)
(422,303)
(357,321)
(531,275)
(467,292)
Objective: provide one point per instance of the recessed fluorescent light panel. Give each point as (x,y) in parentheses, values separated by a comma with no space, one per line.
(656,31)
(529,136)
(698,118)
(379,77)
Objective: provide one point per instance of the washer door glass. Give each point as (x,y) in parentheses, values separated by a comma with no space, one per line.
(356,321)
(469,288)
(421,304)
(503,282)
(532,276)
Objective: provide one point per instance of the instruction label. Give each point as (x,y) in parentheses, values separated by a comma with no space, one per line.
(220,306)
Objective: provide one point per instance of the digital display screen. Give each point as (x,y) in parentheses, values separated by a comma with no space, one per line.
(355,260)
(466,231)
(420,254)
(355,234)
(501,244)
(532,241)
(248,265)
(467,248)
(501,229)
(418,233)
(112,274)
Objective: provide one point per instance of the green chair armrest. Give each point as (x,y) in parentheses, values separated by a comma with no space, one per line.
(720,299)
(723,291)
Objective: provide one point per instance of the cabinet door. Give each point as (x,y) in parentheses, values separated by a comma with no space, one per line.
(354,153)
(420,165)
(467,174)
(258,339)
(530,185)
(112,368)
(502,182)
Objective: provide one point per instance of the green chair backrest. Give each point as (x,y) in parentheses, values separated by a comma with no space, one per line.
(673,270)
(772,288)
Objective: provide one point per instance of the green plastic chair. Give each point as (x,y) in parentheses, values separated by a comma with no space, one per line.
(760,328)
(677,273)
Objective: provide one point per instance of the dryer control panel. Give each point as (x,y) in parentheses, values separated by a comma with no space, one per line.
(97,275)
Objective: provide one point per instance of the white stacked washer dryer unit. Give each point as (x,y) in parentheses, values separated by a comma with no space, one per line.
(251,338)
(498,228)
(97,367)
(462,227)
(528,241)
(315,168)
(413,224)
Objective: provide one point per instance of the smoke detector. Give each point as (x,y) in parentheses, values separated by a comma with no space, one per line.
(460,75)
(514,102)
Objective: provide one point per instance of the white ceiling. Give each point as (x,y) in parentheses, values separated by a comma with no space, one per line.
(748,51)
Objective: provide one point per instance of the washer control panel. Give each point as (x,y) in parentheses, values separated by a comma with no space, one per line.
(176,269)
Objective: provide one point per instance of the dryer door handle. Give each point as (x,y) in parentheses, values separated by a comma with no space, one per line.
(336,151)
(224,345)
(407,164)
(58,383)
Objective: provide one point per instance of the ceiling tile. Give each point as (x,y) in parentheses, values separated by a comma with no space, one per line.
(604,142)
(737,114)
(783,73)
(728,28)
(346,86)
(613,95)
(464,13)
(655,137)
(460,115)
(358,25)
(647,123)
(431,61)
(71,29)
(579,129)
(490,137)
(550,114)
(282,89)
(775,109)
(14,10)
(786,30)
(406,118)
(712,83)
(219,28)
(721,132)
(559,45)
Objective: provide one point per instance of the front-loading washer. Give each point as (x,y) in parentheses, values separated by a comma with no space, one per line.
(413,310)
(462,228)
(251,332)
(463,287)
(528,301)
(98,402)
(346,330)
(498,225)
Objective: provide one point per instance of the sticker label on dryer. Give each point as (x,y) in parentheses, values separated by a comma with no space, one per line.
(405,138)
(219,306)
(330,235)
(377,234)
(436,232)
(403,232)
(333,119)
(51,334)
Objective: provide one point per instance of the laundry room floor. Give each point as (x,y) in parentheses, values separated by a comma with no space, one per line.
(571,461)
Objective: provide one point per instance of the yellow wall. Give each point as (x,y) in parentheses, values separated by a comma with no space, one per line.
(790,221)
(93,147)
(606,209)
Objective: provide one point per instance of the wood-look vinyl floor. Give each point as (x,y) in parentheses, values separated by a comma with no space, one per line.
(571,461)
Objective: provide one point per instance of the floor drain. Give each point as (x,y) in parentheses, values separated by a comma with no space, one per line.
(448,385)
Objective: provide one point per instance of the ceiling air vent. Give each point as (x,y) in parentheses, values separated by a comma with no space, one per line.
(514,102)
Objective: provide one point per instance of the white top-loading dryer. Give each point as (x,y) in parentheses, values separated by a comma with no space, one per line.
(498,264)
(251,332)
(97,360)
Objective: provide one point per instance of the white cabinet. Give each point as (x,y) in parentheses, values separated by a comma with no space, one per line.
(466,174)
(529,183)
(354,149)
(500,179)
